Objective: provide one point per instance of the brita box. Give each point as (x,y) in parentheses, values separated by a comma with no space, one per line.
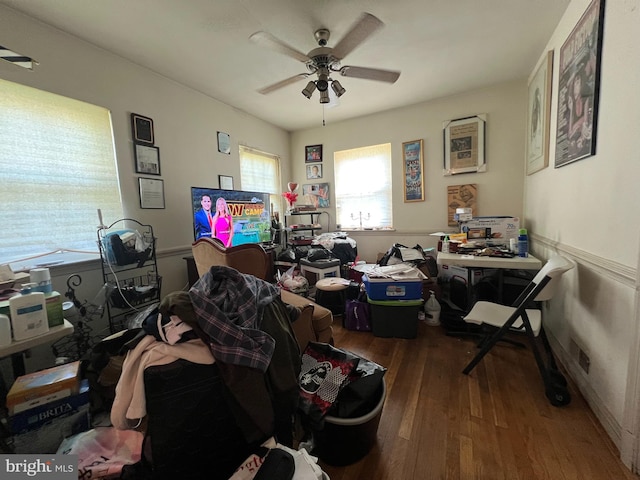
(497,230)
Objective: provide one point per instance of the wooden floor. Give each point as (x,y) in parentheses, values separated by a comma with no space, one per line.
(495,423)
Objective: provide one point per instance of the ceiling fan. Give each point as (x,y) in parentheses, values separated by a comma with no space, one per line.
(324,61)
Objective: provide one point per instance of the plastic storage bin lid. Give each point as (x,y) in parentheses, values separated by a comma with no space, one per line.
(396,303)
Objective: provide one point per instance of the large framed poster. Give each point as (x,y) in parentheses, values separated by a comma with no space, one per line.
(464,145)
(579,86)
(413,171)
(538,114)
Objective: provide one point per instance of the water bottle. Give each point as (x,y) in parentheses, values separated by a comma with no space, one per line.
(523,243)
(432,310)
(445,244)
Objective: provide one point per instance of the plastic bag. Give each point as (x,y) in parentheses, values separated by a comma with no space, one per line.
(318,253)
(357,397)
(324,370)
(294,282)
(104,451)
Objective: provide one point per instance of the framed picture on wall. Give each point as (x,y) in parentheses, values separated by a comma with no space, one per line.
(142,129)
(314,171)
(224,143)
(147,159)
(464,142)
(413,171)
(538,114)
(579,87)
(151,192)
(316,194)
(313,153)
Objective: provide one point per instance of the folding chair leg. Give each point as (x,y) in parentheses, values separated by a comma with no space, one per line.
(488,345)
(554,382)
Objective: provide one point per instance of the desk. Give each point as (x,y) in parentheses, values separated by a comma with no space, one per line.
(15,349)
(471,262)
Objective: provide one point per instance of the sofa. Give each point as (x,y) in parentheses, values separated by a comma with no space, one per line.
(313,324)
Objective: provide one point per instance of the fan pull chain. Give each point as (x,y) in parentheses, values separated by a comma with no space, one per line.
(323,124)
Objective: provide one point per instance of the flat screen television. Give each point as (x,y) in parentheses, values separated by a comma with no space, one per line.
(250,216)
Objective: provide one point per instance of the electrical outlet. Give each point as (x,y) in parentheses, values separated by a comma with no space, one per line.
(583,361)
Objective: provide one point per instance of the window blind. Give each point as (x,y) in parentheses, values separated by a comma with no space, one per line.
(260,172)
(58,168)
(363,187)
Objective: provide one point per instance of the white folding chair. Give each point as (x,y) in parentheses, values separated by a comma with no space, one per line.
(519,318)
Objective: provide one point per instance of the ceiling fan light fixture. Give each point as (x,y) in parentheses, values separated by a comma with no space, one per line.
(324,97)
(309,89)
(337,88)
(322,85)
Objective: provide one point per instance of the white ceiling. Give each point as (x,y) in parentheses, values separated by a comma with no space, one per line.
(442,47)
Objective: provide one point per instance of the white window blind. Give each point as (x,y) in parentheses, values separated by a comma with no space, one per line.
(363,187)
(260,172)
(58,168)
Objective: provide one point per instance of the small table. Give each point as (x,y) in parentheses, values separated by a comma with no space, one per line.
(16,348)
(472,262)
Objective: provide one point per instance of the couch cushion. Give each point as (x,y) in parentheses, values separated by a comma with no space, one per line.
(322,317)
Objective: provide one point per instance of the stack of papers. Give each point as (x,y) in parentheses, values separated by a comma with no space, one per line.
(399,271)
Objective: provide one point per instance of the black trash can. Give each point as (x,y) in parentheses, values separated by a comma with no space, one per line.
(344,441)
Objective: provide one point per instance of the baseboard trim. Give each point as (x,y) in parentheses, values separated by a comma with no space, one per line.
(598,407)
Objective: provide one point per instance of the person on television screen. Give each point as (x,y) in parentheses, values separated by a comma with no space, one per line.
(223,223)
(203,219)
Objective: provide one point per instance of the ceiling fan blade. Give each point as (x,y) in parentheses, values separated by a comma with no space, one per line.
(283,83)
(370,74)
(360,31)
(267,40)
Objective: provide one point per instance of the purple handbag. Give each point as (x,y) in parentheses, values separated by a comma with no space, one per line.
(357,316)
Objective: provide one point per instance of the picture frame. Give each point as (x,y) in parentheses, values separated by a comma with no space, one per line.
(151,192)
(464,145)
(317,194)
(313,153)
(314,171)
(224,143)
(461,196)
(225,182)
(142,129)
(579,87)
(147,159)
(413,164)
(539,114)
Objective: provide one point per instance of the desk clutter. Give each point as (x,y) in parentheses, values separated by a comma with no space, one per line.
(29,306)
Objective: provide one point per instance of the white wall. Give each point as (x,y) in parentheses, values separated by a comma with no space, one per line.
(499,188)
(185,124)
(587,211)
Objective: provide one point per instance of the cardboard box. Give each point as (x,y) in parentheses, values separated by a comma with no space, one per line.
(446,272)
(498,230)
(37,388)
(48,437)
(40,415)
(54,309)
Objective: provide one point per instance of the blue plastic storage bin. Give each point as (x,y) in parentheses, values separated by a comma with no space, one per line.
(387,289)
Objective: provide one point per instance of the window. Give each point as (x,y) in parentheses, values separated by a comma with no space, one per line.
(363,187)
(58,168)
(260,172)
